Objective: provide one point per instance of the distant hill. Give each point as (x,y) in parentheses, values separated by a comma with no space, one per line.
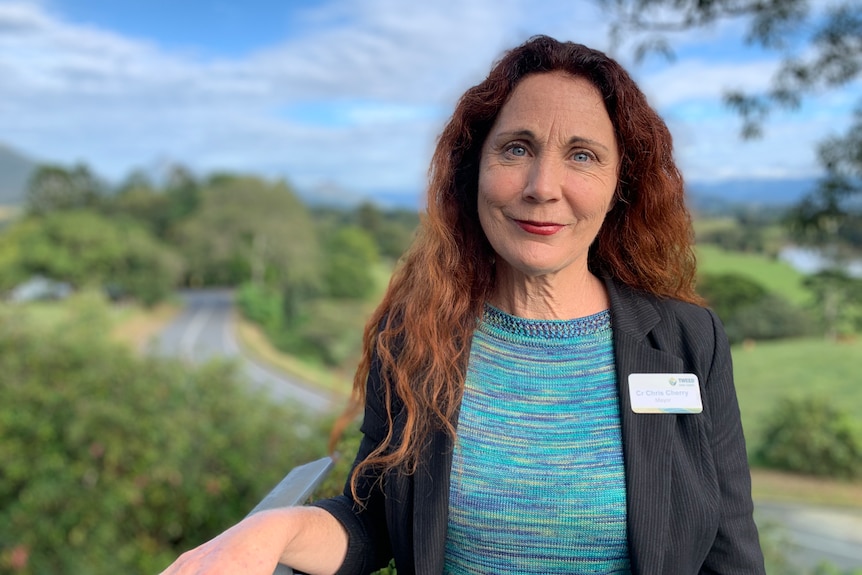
(15,170)
(331,194)
(729,194)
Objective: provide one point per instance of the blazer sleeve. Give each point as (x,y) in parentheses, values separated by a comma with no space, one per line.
(736,549)
(368,547)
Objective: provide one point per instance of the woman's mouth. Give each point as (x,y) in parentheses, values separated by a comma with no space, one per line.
(539,228)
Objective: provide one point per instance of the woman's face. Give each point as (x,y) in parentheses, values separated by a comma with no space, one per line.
(547,175)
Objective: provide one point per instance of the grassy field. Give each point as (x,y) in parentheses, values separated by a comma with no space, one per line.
(776,276)
(767,371)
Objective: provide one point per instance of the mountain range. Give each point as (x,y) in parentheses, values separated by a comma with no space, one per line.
(15,171)
(705,197)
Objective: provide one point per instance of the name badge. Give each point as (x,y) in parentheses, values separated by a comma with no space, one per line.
(665,393)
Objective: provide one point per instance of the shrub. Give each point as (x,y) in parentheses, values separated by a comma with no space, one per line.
(332,331)
(727,293)
(84,248)
(117,464)
(810,435)
(350,256)
(772,317)
(749,311)
(261,305)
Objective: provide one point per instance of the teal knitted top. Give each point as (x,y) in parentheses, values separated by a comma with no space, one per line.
(537,482)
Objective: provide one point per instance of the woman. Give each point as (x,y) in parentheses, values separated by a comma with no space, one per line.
(542,391)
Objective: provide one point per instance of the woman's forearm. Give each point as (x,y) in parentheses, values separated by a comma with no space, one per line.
(307,539)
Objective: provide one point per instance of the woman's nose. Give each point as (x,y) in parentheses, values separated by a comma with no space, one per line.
(545,181)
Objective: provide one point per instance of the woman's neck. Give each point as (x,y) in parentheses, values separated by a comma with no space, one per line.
(558,296)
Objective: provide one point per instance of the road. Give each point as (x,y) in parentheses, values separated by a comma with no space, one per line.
(815,534)
(204,331)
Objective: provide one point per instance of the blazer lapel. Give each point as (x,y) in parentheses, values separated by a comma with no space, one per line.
(647,438)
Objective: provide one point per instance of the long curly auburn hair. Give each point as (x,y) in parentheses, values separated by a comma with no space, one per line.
(419,336)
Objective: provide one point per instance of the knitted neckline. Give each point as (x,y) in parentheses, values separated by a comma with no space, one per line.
(546,329)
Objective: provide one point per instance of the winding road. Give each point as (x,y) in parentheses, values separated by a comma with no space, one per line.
(204,330)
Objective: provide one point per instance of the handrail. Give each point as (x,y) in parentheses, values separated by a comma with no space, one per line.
(296,487)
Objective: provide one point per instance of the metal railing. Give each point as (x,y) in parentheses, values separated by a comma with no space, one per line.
(296,487)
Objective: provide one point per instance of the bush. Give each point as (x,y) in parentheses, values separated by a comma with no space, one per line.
(772,317)
(261,305)
(117,464)
(84,248)
(809,435)
(333,331)
(350,257)
(749,311)
(727,293)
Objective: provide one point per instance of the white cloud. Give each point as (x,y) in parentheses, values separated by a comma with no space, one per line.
(387,72)
(73,92)
(698,79)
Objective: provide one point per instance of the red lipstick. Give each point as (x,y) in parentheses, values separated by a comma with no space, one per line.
(539,228)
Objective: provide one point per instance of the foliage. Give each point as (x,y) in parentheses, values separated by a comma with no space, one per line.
(391,230)
(158,209)
(771,317)
(329,331)
(749,311)
(261,305)
(798,367)
(54,188)
(746,228)
(248,229)
(727,293)
(811,435)
(116,464)
(821,50)
(736,238)
(838,297)
(332,331)
(350,257)
(84,248)
(832,216)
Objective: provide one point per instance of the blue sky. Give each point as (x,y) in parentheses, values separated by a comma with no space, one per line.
(342,94)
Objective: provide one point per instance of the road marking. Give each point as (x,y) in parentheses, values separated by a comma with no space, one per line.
(187,341)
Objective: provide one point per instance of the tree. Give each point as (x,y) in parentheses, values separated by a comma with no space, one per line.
(838,297)
(820,51)
(727,293)
(350,257)
(139,199)
(55,188)
(247,229)
(183,192)
(85,248)
(116,464)
(831,217)
(748,310)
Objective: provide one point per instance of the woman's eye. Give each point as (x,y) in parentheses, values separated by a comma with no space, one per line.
(518,150)
(581,157)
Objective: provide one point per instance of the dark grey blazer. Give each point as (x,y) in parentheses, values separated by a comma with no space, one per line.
(687,478)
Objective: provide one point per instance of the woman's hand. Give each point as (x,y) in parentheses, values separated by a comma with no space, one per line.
(305,538)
